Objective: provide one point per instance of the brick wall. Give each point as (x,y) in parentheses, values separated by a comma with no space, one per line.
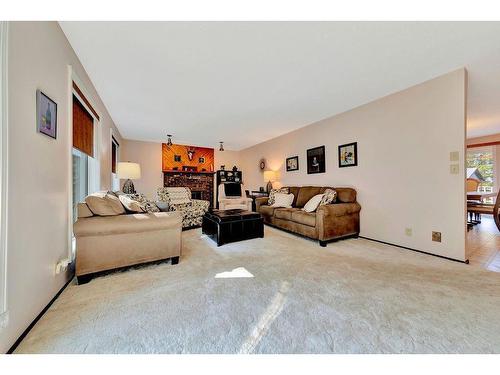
(197,182)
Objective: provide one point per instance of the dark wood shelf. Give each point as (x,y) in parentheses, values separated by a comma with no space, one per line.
(188,172)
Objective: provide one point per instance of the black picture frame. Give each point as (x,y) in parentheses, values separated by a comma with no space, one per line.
(46,108)
(290,167)
(316,160)
(348,155)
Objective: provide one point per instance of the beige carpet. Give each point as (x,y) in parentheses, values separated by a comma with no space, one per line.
(280,294)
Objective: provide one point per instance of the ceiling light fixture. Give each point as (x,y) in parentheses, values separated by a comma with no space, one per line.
(169,140)
(221,148)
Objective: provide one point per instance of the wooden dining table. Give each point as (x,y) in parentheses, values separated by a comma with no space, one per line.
(479,196)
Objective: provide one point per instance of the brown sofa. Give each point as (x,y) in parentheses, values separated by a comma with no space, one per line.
(329,222)
(108,242)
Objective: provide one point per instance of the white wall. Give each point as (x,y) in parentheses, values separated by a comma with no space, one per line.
(148,155)
(39,188)
(403,178)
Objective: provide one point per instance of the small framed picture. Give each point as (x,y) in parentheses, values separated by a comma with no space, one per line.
(348,155)
(177,158)
(201,160)
(292,164)
(316,160)
(46,115)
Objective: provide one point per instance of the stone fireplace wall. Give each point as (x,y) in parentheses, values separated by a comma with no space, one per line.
(201,184)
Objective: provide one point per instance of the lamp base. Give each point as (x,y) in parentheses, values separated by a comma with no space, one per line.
(269,186)
(128,187)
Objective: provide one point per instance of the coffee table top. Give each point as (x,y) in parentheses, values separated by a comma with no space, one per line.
(230,215)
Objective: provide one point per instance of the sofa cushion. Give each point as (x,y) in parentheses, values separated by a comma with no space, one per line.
(267,210)
(295,191)
(131,204)
(104,203)
(329,197)
(136,223)
(302,217)
(346,195)
(313,203)
(306,193)
(284,213)
(83,210)
(283,200)
(272,193)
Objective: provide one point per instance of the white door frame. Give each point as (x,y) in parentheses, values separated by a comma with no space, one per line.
(4,29)
(94,174)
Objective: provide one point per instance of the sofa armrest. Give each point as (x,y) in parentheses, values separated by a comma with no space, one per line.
(260,202)
(337,220)
(339,209)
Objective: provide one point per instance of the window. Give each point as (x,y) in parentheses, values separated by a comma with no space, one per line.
(481,165)
(115,156)
(80,179)
(84,152)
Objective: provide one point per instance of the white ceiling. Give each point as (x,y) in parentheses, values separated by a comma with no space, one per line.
(246,82)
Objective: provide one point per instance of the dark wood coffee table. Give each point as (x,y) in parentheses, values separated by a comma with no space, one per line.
(232,225)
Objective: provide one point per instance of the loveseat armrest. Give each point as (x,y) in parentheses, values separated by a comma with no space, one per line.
(339,209)
(261,201)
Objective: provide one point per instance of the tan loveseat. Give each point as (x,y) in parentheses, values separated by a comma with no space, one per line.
(329,222)
(109,242)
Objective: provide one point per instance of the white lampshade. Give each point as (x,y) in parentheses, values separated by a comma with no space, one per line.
(270,176)
(127,170)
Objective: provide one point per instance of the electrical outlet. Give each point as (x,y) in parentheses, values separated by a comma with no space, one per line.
(436,236)
(408,232)
(454,169)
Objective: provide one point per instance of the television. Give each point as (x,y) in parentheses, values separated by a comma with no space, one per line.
(232,189)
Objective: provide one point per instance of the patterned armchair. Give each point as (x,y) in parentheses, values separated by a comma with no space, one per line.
(179,199)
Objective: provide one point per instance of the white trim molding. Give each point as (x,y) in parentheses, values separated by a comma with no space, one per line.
(4,29)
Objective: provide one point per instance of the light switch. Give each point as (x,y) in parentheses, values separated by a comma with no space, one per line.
(454,169)
(454,156)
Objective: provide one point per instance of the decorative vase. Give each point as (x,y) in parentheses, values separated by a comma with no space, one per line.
(235,168)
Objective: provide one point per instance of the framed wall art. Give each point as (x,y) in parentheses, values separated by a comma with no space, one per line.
(46,115)
(292,164)
(316,160)
(348,155)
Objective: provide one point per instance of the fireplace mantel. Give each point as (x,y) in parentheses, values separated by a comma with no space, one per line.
(189,172)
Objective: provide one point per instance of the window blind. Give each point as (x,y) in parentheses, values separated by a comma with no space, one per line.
(83,128)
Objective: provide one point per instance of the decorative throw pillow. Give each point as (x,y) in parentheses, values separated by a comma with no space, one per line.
(104,203)
(273,192)
(329,196)
(131,204)
(145,204)
(282,200)
(313,203)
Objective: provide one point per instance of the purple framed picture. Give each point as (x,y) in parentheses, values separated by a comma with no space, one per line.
(46,115)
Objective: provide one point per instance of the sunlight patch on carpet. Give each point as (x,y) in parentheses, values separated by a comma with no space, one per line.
(237,273)
(265,321)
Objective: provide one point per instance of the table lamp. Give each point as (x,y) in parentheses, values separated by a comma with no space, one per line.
(270,176)
(129,171)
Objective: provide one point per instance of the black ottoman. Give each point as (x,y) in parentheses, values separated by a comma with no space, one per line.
(232,225)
